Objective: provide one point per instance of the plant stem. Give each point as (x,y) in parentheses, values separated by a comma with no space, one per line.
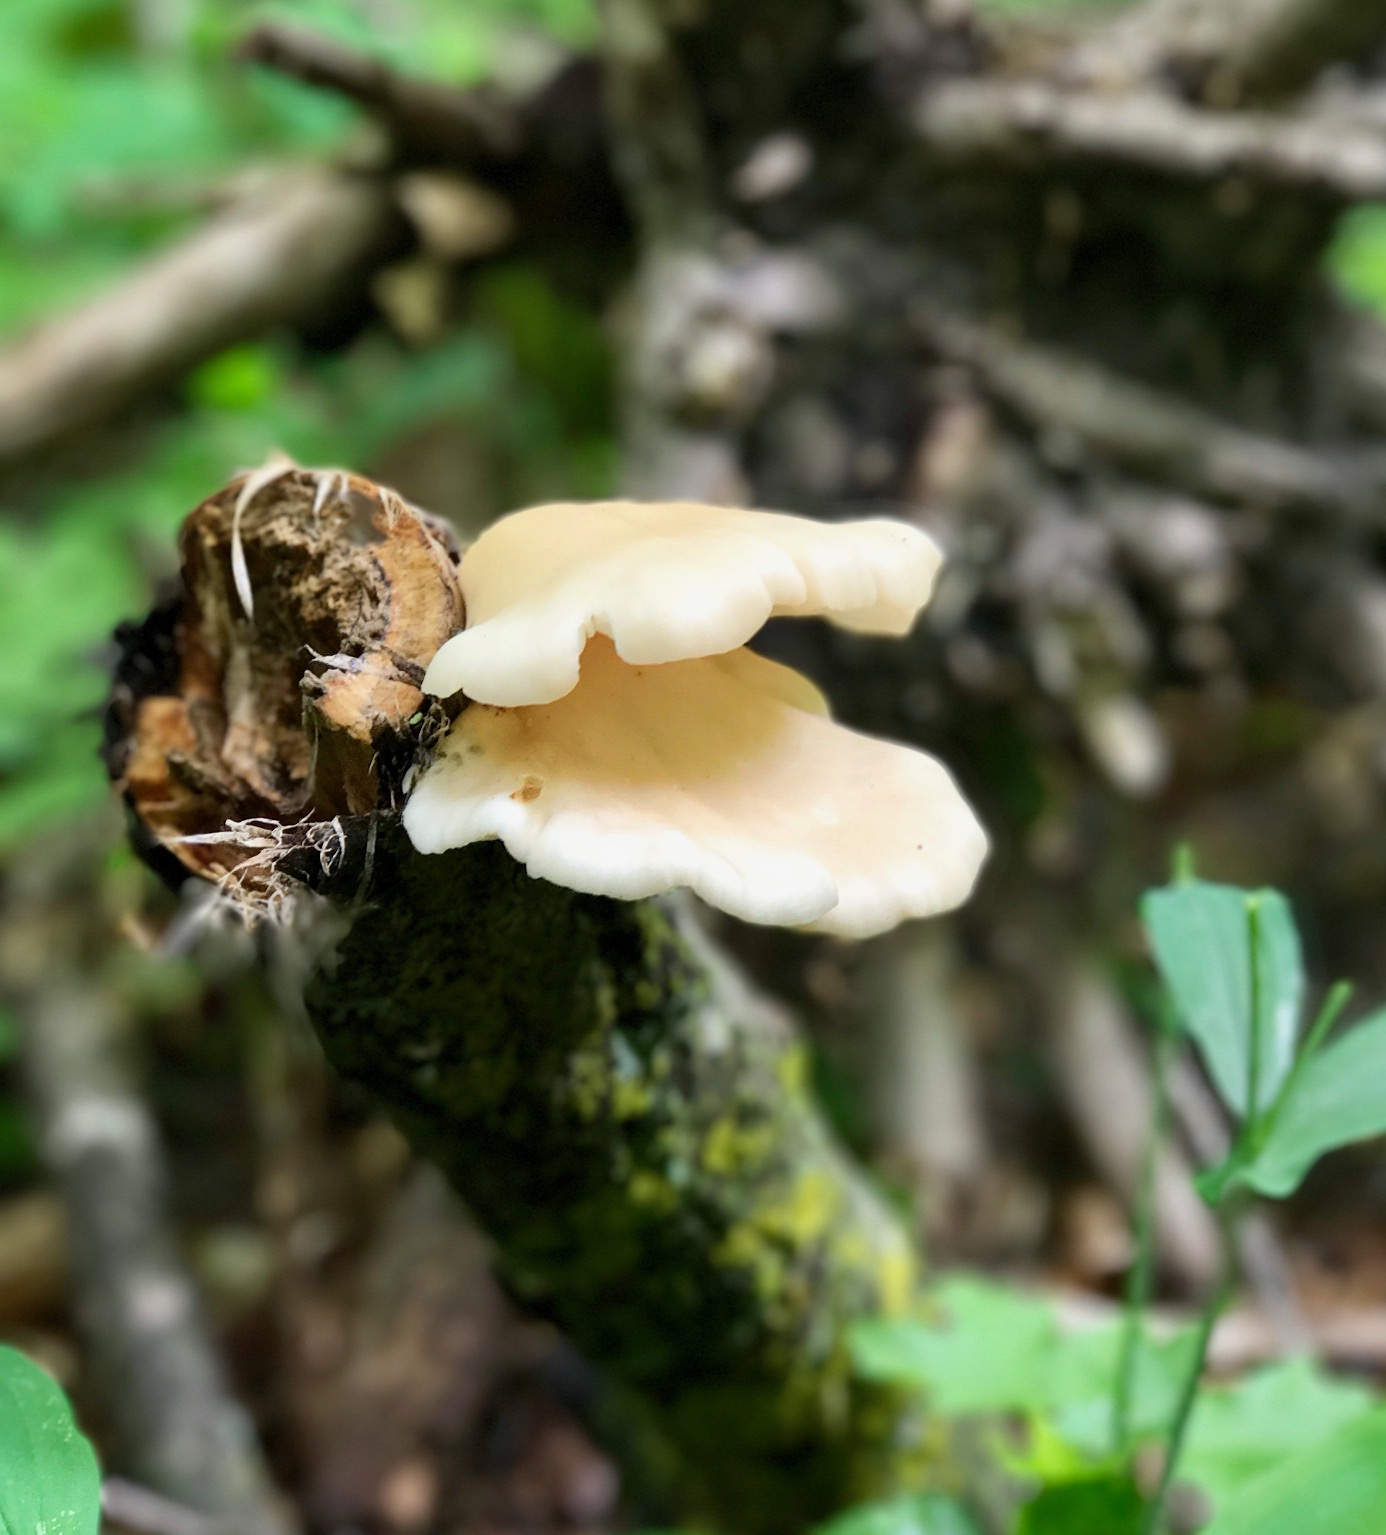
(1139,1280)
(1155,1510)
(1253,1089)
(1337,999)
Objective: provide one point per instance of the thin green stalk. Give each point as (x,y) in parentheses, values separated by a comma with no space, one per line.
(1337,999)
(1179,1427)
(1140,1281)
(1253,1086)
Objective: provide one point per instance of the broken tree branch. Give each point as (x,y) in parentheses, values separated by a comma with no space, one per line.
(1231,51)
(1158,434)
(427,119)
(1028,123)
(278,259)
(631,1127)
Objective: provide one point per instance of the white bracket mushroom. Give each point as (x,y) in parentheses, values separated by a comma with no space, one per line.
(621,741)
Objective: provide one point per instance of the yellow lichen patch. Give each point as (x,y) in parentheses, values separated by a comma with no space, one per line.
(794,1070)
(631,1098)
(732,1147)
(899,1277)
(805,1214)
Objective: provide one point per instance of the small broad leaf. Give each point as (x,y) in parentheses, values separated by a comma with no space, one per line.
(926,1515)
(1239,1433)
(49,1480)
(1110,1504)
(1338,1096)
(1336,1487)
(1202,935)
(993,1349)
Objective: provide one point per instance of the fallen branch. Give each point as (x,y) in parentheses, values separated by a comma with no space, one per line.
(1229,50)
(1158,434)
(173,1422)
(633,1129)
(1030,123)
(427,119)
(278,259)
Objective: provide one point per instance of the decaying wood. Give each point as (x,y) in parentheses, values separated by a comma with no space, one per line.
(222,715)
(632,1127)
(1031,122)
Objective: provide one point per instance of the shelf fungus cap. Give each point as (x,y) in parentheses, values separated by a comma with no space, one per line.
(721,773)
(665,581)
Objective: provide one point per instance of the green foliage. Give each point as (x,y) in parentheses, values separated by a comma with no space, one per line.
(1335,1487)
(68,577)
(49,1479)
(109,146)
(1357,257)
(988,1348)
(926,1515)
(1231,960)
(1111,1504)
(1241,1433)
(1289,1448)
(1337,1098)
(1232,963)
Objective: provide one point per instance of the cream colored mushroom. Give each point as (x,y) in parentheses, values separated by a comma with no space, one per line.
(721,773)
(666,581)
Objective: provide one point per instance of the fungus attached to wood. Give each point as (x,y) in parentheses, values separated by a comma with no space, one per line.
(621,741)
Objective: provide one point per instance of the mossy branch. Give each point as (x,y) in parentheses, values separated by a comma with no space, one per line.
(636,1133)
(629,1123)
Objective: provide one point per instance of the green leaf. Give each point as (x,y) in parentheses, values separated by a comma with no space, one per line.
(1239,1433)
(1336,1487)
(1109,1504)
(1357,257)
(1338,1096)
(992,1350)
(926,1515)
(50,1481)
(1202,935)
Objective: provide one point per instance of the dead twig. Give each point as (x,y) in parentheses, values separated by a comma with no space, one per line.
(427,119)
(278,259)
(1157,434)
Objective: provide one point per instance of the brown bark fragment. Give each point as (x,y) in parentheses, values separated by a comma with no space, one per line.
(300,710)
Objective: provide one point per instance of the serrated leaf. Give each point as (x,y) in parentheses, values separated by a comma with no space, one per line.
(1202,936)
(49,1479)
(1337,1097)
(1336,1487)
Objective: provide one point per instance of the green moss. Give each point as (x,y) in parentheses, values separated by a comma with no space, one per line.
(648,1163)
